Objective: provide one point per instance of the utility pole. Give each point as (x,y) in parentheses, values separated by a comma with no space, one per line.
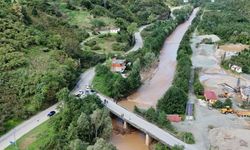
(15,143)
(238,85)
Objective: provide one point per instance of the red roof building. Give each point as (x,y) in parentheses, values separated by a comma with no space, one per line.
(118,65)
(210,96)
(174,118)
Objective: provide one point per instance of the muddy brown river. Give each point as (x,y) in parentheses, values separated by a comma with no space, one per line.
(154,88)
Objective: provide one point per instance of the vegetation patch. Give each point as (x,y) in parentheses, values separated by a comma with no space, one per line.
(242,60)
(35,138)
(228,19)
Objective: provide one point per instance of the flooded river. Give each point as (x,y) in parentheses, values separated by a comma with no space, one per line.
(152,89)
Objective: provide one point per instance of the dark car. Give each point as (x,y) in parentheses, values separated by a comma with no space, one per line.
(51,113)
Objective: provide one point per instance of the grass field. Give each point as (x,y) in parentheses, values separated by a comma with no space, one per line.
(82,18)
(35,138)
(105,43)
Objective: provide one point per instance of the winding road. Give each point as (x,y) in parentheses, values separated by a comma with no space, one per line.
(138,39)
(86,79)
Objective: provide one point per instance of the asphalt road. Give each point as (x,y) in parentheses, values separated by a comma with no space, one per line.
(25,127)
(85,79)
(138,39)
(14,134)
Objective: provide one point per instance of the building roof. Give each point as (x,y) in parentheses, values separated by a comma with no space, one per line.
(117,65)
(174,118)
(118,61)
(210,95)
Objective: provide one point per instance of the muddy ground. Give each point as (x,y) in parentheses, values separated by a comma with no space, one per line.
(213,130)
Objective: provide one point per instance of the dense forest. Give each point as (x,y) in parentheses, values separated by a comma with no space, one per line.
(40,51)
(229,19)
(113,84)
(36,59)
(82,124)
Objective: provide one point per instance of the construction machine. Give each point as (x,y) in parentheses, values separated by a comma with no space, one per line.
(227,110)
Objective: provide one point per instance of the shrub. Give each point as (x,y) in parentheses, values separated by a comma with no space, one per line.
(187,137)
(90,43)
(96,47)
(228,102)
(218,104)
(118,47)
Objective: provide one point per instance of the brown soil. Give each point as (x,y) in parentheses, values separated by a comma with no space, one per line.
(233,47)
(24,144)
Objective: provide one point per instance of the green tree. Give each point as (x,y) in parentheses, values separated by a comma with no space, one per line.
(218,104)
(100,120)
(83,127)
(63,94)
(97,23)
(173,101)
(77,144)
(149,58)
(132,28)
(228,103)
(101,144)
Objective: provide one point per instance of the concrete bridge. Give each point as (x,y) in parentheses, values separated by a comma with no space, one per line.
(151,130)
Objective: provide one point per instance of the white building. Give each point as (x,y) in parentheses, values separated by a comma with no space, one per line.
(114,30)
(185,1)
(236,68)
(230,54)
(212,1)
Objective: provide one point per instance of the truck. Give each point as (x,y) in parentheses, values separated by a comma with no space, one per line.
(243,113)
(227,110)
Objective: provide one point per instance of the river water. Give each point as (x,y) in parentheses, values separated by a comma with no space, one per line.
(154,88)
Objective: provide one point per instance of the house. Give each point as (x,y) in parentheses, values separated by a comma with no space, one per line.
(118,65)
(229,54)
(210,96)
(245,93)
(212,1)
(185,1)
(114,30)
(174,118)
(236,68)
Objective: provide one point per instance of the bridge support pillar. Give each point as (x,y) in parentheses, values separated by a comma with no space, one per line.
(125,126)
(148,140)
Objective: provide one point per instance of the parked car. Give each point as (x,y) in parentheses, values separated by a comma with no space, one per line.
(51,113)
(93,91)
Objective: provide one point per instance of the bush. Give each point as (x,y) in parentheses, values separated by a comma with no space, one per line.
(173,102)
(118,47)
(228,102)
(218,104)
(90,43)
(155,117)
(187,137)
(96,47)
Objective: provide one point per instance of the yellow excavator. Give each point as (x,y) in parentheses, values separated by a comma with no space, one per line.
(227,110)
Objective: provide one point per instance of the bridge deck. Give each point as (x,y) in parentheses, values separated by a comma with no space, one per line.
(143,125)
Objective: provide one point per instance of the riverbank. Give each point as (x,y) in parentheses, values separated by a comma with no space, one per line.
(153,88)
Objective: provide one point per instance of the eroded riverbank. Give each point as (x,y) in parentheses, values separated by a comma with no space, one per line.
(154,87)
